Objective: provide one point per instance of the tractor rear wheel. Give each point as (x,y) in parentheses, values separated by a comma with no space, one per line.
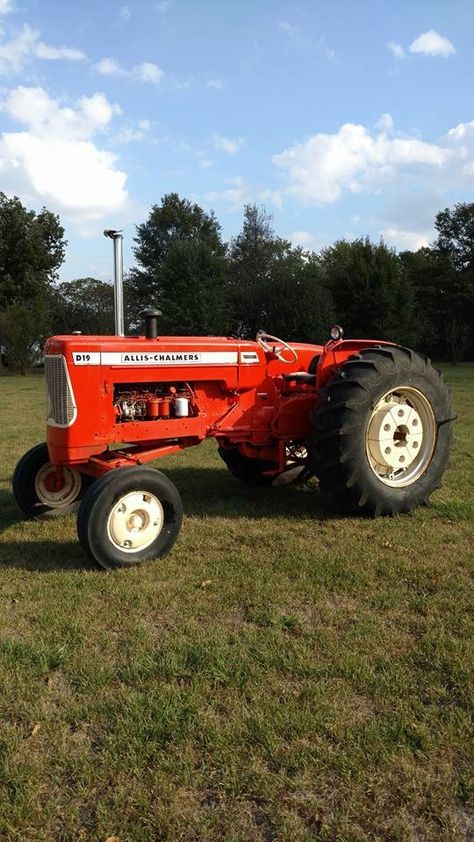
(38,492)
(382,432)
(128,516)
(245,468)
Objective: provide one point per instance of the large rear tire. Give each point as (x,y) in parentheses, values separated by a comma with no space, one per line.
(36,491)
(382,432)
(129,516)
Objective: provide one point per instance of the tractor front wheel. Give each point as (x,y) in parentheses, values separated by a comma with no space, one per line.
(40,492)
(382,432)
(129,516)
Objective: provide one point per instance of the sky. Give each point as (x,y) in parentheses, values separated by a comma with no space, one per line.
(344,118)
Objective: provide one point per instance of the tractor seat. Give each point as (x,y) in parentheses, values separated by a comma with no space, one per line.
(300,377)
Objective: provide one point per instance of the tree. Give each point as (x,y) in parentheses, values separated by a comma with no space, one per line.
(456,235)
(86,304)
(31,250)
(181,267)
(275,287)
(372,296)
(454,257)
(23,330)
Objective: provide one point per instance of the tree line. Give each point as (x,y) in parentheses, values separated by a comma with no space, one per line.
(258,280)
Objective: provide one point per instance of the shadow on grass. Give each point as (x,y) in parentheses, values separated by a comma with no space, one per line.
(205,492)
(211,492)
(44,556)
(41,556)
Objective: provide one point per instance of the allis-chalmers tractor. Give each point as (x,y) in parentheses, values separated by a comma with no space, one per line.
(370,419)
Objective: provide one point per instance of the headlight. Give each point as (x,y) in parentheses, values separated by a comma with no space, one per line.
(336,332)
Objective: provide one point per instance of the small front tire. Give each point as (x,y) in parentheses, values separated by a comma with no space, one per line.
(36,492)
(129,516)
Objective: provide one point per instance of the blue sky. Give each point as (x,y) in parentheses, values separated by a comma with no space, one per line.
(343,118)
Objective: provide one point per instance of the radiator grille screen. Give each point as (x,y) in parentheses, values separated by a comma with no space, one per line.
(61,407)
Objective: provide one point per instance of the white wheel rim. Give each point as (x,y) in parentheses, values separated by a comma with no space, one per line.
(65,495)
(135,521)
(401,436)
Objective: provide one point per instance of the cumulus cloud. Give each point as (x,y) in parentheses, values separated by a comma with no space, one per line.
(25,46)
(144,72)
(228,144)
(431,43)
(55,160)
(353,159)
(405,240)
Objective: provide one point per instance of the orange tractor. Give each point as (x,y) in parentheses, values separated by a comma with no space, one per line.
(370,419)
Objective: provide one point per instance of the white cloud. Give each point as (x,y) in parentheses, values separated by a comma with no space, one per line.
(462,131)
(44,51)
(109,67)
(405,240)
(163,6)
(25,46)
(15,53)
(431,43)
(54,159)
(130,134)
(352,159)
(215,84)
(385,123)
(302,238)
(144,72)
(125,12)
(228,144)
(396,49)
(6,6)
(148,72)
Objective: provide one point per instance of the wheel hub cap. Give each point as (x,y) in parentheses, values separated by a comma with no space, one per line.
(57,492)
(401,436)
(395,435)
(135,521)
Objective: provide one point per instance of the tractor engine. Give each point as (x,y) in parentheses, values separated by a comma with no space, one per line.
(149,402)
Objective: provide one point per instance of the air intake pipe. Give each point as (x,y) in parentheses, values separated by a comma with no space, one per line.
(151,323)
(117,237)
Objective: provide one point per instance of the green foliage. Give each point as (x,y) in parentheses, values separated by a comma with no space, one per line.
(86,305)
(372,296)
(259,281)
(23,330)
(274,286)
(180,255)
(442,278)
(31,251)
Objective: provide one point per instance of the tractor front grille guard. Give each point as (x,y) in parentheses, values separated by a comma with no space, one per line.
(61,405)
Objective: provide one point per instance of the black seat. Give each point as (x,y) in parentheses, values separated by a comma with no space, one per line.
(300,377)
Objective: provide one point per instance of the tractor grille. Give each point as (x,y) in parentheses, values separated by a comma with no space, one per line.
(61,406)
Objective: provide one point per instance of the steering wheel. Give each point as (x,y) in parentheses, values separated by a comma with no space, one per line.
(263,338)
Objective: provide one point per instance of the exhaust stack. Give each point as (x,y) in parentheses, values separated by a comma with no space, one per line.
(117,237)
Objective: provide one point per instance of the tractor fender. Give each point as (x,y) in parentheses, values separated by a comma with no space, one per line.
(336,352)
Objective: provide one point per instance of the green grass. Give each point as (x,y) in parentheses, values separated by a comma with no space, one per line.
(285,674)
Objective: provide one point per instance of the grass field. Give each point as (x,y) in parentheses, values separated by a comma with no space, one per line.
(285,674)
